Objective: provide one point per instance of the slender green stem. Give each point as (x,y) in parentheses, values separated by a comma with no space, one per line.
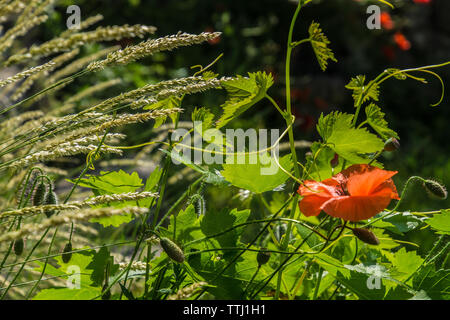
(275,105)
(288,118)
(251,280)
(319,279)
(65,80)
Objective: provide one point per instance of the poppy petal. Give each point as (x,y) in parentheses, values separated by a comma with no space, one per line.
(364,184)
(387,189)
(356,208)
(325,188)
(312,205)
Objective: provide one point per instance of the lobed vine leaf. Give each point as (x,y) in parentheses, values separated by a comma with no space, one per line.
(360,92)
(375,118)
(319,43)
(243,93)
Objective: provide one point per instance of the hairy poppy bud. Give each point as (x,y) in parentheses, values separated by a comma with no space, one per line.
(50,198)
(335,161)
(263,257)
(173,251)
(38,195)
(435,189)
(391,144)
(67,252)
(18,246)
(365,235)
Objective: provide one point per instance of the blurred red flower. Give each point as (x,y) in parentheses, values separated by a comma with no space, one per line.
(388,52)
(401,41)
(356,193)
(215,40)
(386,21)
(422,1)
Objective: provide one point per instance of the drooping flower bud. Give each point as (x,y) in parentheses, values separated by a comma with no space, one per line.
(391,144)
(435,189)
(365,235)
(50,197)
(173,251)
(67,252)
(18,246)
(39,193)
(335,161)
(263,257)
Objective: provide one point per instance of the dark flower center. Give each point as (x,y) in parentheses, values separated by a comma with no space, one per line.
(342,189)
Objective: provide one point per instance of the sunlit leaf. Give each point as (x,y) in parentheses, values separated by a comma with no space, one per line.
(243,93)
(375,118)
(360,92)
(319,43)
(262,176)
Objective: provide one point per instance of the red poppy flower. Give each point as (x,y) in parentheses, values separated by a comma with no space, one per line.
(386,21)
(422,1)
(401,41)
(356,193)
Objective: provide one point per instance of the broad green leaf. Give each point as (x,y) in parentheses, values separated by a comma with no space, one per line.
(151,184)
(319,163)
(344,250)
(402,222)
(79,265)
(168,103)
(360,92)
(404,262)
(311,239)
(229,285)
(112,182)
(101,260)
(373,282)
(184,224)
(243,94)
(356,283)
(87,293)
(262,176)
(319,43)
(326,123)
(216,221)
(440,222)
(386,242)
(375,118)
(350,143)
(332,265)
